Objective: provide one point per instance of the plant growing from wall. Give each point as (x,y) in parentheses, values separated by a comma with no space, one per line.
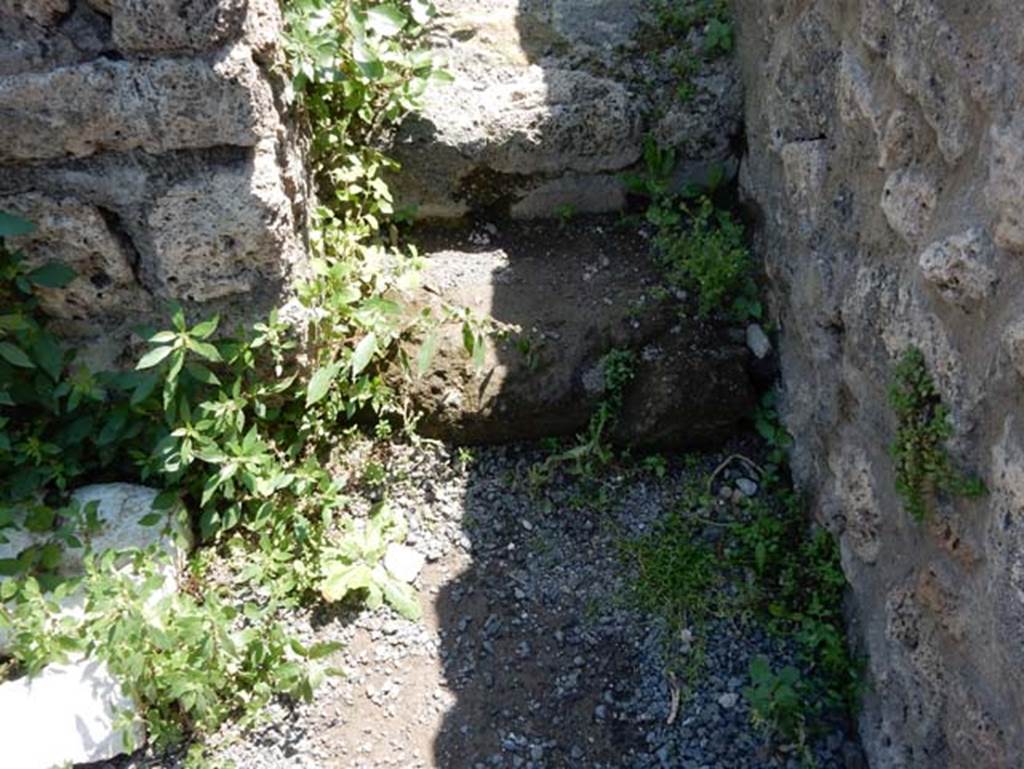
(922,462)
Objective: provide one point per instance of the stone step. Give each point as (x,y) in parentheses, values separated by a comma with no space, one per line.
(577,290)
(552,101)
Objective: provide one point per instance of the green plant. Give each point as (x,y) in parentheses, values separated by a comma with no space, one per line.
(674,20)
(656,179)
(355,565)
(191,663)
(923,465)
(702,249)
(718,37)
(675,573)
(565,212)
(777,701)
(776,437)
(245,431)
(591,448)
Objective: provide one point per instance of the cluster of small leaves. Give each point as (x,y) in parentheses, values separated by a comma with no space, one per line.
(355,565)
(702,249)
(190,662)
(356,72)
(776,701)
(799,586)
(673,22)
(794,582)
(50,429)
(923,465)
(675,571)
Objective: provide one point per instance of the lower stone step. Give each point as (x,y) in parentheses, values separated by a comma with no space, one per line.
(577,290)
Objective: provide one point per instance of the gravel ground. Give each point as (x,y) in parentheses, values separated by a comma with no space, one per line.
(527,657)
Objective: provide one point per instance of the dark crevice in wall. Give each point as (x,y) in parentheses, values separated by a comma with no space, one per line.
(118,230)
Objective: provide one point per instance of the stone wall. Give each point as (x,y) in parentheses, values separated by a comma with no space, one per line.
(886,162)
(146,140)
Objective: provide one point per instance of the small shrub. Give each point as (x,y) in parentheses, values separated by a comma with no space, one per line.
(703,250)
(777,701)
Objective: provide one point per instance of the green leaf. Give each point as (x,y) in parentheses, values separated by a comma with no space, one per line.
(205,329)
(339,580)
(154,357)
(385,20)
(15,356)
(162,337)
(12,226)
(52,275)
(426,353)
(48,355)
(320,383)
(479,348)
(401,597)
(323,649)
(151,520)
(367,60)
(202,374)
(147,383)
(204,350)
(363,353)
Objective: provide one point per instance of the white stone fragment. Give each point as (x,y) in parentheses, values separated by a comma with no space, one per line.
(68,714)
(758,341)
(403,562)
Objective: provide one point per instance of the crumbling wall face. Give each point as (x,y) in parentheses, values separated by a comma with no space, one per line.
(149,143)
(886,161)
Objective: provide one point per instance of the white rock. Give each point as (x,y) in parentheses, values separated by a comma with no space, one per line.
(746,487)
(120,507)
(403,562)
(758,341)
(65,715)
(728,700)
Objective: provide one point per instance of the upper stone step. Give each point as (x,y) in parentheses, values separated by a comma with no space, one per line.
(551,103)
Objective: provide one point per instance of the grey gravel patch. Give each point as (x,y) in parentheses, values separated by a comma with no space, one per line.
(527,657)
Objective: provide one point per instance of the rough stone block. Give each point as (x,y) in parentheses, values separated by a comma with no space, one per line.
(545,94)
(40,11)
(160,26)
(1005,189)
(226,232)
(68,714)
(908,201)
(157,106)
(79,236)
(691,382)
(960,267)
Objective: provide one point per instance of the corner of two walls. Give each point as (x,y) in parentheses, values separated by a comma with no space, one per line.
(886,160)
(149,143)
